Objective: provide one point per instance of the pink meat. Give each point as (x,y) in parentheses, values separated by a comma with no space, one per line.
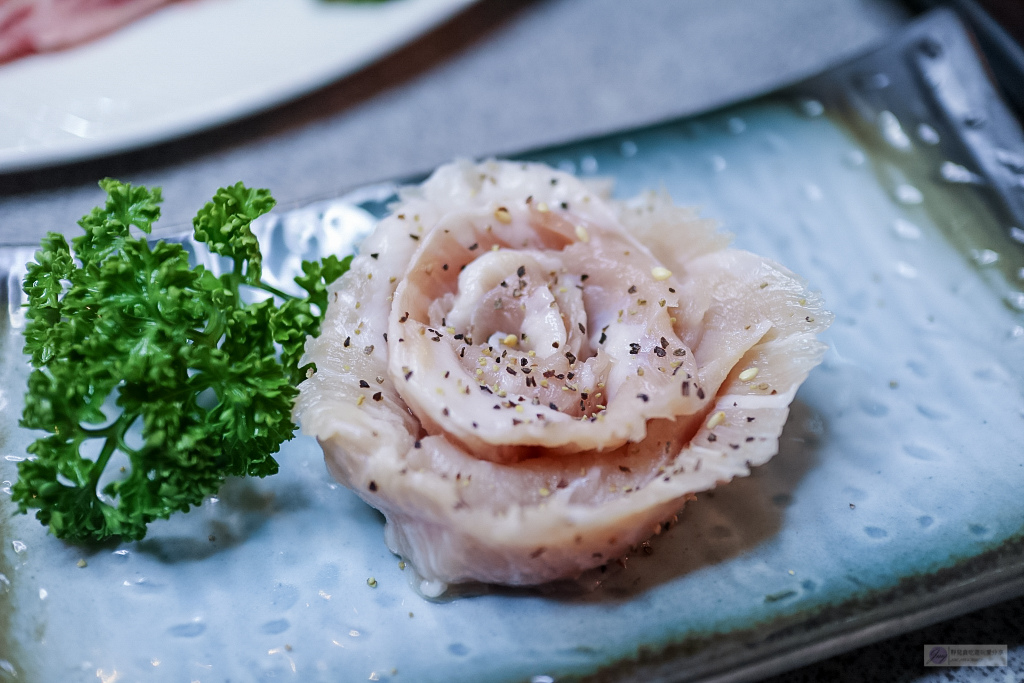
(29,26)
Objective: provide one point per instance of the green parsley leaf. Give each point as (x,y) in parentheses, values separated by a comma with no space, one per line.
(153,380)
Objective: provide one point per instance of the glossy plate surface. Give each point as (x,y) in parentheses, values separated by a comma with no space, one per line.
(189,66)
(895,497)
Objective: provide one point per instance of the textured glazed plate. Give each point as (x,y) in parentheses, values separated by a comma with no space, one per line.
(189,66)
(894,499)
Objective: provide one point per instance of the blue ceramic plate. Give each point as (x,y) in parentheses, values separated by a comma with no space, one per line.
(894,500)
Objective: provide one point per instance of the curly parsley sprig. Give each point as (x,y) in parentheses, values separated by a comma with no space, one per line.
(137,352)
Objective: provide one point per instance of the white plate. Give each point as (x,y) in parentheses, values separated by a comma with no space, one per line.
(189,66)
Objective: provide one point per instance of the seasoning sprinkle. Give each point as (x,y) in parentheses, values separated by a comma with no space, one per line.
(660,273)
(748,374)
(503,215)
(716,419)
(581,234)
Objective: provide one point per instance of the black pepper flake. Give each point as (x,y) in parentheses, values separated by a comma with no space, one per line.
(582,328)
(378,396)
(348,340)
(671,289)
(444,267)
(405,316)
(583,278)
(552,406)
(750,419)
(565,205)
(526,371)
(462,352)
(521,271)
(554,345)
(686,388)
(523,361)
(659,352)
(700,392)
(734,446)
(643,397)
(554,181)
(561,376)
(634,349)
(415,237)
(571,357)
(570,375)
(584,395)
(549,373)
(531,382)
(408,375)
(679,352)
(372,486)
(632,289)
(458,336)
(474,246)
(484,387)
(510,370)
(475,425)
(363,384)
(385,337)
(374,256)
(603,338)
(444,411)
(497,407)
(417,445)
(516,422)
(749,439)
(446,373)
(625,469)
(583,406)
(368,350)
(664,343)
(712,437)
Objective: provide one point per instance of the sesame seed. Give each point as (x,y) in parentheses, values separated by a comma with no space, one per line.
(502,215)
(716,419)
(659,273)
(581,234)
(748,374)
(510,340)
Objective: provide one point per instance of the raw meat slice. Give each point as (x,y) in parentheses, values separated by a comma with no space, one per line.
(526,391)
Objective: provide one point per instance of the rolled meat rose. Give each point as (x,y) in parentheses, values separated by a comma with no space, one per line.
(528,379)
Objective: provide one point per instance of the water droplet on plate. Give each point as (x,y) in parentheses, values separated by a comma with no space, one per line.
(854,158)
(1012,160)
(736,125)
(718,163)
(588,164)
(984,257)
(908,194)
(628,148)
(1016,234)
(812,107)
(19,546)
(906,229)
(892,131)
(955,173)
(1016,300)
(906,270)
(813,192)
(43,594)
(928,135)
(875,532)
